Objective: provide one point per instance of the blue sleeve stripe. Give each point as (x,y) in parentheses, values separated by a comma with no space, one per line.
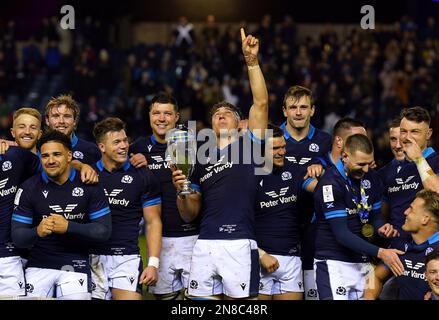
(307,182)
(196,187)
(376,206)
(152,202)
(100,213)
(335,212)
(19,218)
(340,215)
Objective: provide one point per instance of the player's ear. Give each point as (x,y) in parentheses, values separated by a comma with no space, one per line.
(12,132)
(101,147)
(429,133)
(69,156)
(339,141)
(426,219)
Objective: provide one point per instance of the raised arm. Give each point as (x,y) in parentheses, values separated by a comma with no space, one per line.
(258,116)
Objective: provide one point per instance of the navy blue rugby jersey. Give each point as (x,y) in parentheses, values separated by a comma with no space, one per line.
(401,182)
(38,197)
(333,198)
(412,285)
(309,235)
(326,162)
(16,166)
(84,151)
(158,163)
(277,213)
(316,144)
(301,154)
(128,190)
(228,186)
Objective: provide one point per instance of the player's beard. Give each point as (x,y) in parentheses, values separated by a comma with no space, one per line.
(355,174)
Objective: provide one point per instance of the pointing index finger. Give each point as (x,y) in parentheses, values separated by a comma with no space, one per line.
(242,34)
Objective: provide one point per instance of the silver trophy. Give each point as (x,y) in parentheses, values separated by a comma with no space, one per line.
(182,147)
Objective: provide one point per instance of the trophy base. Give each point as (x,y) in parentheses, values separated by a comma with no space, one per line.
(186,189)
(185,192)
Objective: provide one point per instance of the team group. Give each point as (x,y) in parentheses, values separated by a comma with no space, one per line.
(309,226)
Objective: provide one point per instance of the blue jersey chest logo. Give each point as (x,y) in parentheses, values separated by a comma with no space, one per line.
(67,211)
(402,184)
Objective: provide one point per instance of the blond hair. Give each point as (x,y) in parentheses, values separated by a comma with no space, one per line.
(431,202)
(30,111)
(64,99)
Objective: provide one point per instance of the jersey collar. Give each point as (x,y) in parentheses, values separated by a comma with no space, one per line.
(100,165)
(74,140)
(71,175)
(434,238)
(422,246)
(340,167)
(427,152)
(330,159)
(153,140)
(287,136)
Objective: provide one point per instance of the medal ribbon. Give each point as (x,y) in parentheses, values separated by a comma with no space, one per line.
(361,204)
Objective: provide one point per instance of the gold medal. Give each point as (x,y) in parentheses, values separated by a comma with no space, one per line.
(367,230)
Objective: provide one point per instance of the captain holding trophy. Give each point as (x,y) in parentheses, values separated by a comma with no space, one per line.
(182,148)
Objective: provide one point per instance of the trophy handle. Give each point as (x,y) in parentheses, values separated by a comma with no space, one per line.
(186,189)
